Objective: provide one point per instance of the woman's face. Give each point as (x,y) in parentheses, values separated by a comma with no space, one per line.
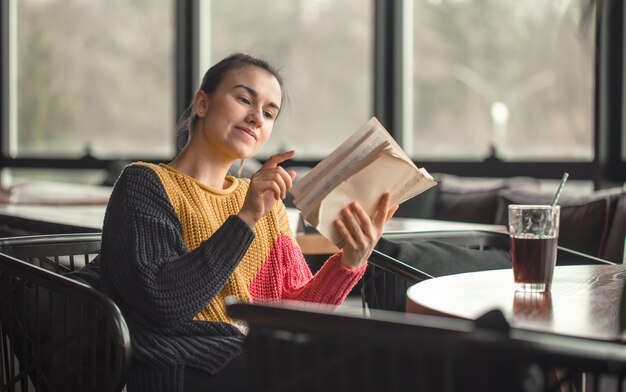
(236,119)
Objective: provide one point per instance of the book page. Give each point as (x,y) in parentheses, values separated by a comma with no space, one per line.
(339,164)
(388,173)
(361,169)
(350,165)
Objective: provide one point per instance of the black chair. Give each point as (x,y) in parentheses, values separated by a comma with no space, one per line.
(387,278)
(57,333)
(296,348)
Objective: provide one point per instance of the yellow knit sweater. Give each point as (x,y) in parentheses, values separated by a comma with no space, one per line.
(202,210)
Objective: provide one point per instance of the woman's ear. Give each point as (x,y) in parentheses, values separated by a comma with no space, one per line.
(200,103)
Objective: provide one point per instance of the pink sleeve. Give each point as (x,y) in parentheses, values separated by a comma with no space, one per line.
(330,285)
(285,275)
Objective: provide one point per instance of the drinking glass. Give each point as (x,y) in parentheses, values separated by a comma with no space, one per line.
(534,231)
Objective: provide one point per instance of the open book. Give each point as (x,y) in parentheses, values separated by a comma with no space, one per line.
(361,169)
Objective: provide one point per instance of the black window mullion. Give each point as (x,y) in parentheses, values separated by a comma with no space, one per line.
(4,78)
(388,64)
(186,67)
(609,93)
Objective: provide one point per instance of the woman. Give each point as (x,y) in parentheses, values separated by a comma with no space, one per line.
(178,238)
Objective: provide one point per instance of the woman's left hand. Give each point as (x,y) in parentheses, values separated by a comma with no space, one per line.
(360,233)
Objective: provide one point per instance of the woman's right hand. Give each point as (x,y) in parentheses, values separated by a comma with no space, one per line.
(270,183)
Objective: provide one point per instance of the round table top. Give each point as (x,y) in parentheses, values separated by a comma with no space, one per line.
(584,300)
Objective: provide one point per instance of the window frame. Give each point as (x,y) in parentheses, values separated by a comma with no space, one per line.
(185,68)
(608,168)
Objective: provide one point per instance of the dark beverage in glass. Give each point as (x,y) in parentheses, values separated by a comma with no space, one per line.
(534,231)
(533,261)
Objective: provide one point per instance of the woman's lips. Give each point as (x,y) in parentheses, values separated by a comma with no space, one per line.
(248,131)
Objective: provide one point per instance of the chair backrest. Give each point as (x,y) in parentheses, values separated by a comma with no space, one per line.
(388,277)
(56,333)
(60,253)
(614,248)
(303,349)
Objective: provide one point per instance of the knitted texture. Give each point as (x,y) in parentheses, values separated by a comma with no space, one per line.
(173,249)
(285,274)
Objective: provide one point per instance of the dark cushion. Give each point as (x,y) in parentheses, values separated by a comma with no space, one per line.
(434,257)
(474,200)
(584,220)
(440,258)
(477,206)
(421,206)
(614,247)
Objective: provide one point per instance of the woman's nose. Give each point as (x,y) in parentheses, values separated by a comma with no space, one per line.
(256,117)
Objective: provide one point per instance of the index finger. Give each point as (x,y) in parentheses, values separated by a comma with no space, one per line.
(274,160)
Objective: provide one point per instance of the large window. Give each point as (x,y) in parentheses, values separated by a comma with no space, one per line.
(324,49)
(91,77)
(531,83)
(507,79)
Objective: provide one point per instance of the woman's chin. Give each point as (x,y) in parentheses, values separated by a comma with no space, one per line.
(244,151)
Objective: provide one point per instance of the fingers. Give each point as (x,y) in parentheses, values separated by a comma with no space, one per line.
(276,179)
(359,232)
(358,227)
(284,181)
(260,187)
(348,241)
(362,221)
(274,160)
(270,183)
(381,213)
(270,171)
(391,211)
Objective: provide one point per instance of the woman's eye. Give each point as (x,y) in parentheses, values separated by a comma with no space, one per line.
(268,115)
(244,100)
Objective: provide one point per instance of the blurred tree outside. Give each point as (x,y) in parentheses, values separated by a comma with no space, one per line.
(324,49)
(515,75)
(45,114)
(95,75)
